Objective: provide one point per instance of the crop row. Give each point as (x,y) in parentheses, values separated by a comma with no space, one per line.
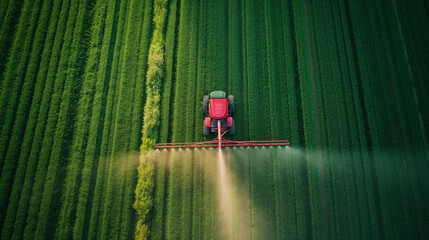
(9,18)
(193,72)
(345,81)
(14,158)
(69,83)
(370,95)
(322,78)
(116,209)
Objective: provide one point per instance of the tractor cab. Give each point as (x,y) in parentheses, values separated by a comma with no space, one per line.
(218,110)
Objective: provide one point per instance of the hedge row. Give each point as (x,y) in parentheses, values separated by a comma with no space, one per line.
(144,190)
(154,77)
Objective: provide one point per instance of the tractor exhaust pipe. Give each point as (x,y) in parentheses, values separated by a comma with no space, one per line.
(219,136)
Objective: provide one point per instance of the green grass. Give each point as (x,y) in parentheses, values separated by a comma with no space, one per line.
(18,133)
(10,15)
(175,195)
(168,84)
(31,149)
(85,84)
(14,76)
(105,151)
(50,129)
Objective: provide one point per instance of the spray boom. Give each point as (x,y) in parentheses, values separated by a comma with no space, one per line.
(219,110)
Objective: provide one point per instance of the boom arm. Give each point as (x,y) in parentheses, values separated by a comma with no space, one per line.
(221,142)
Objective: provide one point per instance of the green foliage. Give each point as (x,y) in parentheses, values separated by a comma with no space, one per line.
(96,70)
(31,148)
(187,191)
(29,85)
(154,77)
(99,194)
(86,84)
(144,190)
(159,196)
(142,231)
(275,72)
(201,69)
(167,86)
(65,125)
(174,200)
(192,80)
(181,84)
(144,199)
(235,65)
(197,198)
(117,214)
(256,70)
(14,79)
(10,12)
(50,131)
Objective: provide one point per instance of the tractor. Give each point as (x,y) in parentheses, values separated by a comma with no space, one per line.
(218,112)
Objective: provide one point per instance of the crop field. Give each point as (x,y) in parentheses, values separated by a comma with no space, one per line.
(88,87)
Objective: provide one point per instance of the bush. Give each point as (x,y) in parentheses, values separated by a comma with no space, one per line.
(144,197)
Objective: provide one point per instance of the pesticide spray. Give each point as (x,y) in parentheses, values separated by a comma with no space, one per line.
(238,176)
(228,205)
(225,196)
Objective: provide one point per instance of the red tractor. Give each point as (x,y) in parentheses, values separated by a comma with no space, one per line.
(218,111)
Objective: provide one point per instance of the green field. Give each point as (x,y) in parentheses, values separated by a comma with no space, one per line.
(88,86)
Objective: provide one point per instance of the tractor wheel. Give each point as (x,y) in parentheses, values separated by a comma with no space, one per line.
(206,105)
(232,128)
(206,130)
(231,103)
